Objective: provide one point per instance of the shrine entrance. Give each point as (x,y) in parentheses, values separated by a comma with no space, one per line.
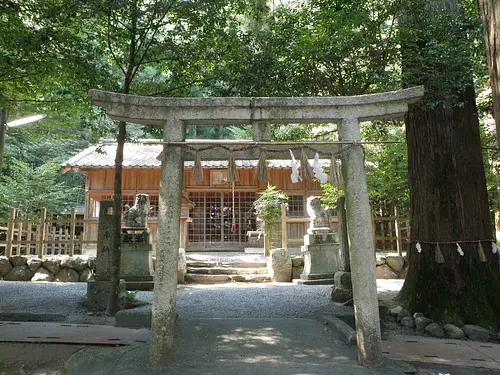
(174,114)
(213,217)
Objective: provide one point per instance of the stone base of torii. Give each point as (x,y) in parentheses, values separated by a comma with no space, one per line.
(175,114)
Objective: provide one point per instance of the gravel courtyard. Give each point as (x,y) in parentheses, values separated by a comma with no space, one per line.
(233,300)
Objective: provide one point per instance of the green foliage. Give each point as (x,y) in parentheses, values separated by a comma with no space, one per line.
(29,189)
(387,166)
(268,205)
(331,194)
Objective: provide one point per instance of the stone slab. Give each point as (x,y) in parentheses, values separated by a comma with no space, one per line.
(22,316)
(317,276)
(314,282)
(133,318)
(346,332)
(64,333)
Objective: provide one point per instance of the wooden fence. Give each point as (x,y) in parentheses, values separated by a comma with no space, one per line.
(43,236)
(390,234)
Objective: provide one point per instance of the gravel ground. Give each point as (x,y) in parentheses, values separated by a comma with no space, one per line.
(232,300)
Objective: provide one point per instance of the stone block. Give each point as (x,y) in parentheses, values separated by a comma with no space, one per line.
(343,279)
(42,275)
(280,265)
(52,264)
(385,272)
(435,330)
(476,333)
(18,260)
(5,265)
(403,314)
(297,271)
(340,294)
(66,275)
(421,323)
(136,257)
(19,273)
(396,262)
(297,261)
(86,275)
(454,332)
(34,263)
(76,262)
(408,322)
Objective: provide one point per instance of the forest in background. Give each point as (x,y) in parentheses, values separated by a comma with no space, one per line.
(53,51)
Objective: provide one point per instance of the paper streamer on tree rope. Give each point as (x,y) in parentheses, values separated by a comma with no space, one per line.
(335,179)
(460,251)
(307,171)
(439,255)
(482,255)
(232,172)
(198,169)
(494,247)
(418,247)
(261,172)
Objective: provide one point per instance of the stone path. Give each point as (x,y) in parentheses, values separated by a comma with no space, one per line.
(443,351)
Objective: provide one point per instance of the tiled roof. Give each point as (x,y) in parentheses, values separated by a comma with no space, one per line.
(136,155)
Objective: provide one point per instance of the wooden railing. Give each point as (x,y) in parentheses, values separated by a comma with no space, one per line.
(390,234)
(42,236)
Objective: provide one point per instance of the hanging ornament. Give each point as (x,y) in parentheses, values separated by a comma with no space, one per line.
(232,172)
(261,172)
(198,169)
(318,170)
(334,172)
(482,255)
(439,255)
(494,247)
(233,224)
(307,170)
(460,251)
(418,247)
(295,176)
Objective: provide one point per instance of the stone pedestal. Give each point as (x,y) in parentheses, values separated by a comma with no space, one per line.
(136,256)
(321,252)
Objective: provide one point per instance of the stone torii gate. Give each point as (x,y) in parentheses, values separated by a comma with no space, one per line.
(174,114)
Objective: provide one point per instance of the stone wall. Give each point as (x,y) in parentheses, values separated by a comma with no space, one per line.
(55,268)
(388,267)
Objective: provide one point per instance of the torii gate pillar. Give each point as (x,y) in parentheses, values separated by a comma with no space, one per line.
(359,228)
(167,248)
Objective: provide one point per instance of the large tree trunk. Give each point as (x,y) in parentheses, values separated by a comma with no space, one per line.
(490,13)
(449,201)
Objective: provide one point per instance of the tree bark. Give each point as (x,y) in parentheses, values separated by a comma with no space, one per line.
(490,13)
(449,201)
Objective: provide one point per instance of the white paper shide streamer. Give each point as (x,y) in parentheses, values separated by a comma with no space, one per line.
(318,170)
(460,251)
(418,247)
(494,248)
(295,169)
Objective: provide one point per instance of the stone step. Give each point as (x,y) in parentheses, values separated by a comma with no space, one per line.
(213,263)
(138,278)
(227,271)
(216,279)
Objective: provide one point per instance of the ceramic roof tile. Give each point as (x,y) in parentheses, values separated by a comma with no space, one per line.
(136,155)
